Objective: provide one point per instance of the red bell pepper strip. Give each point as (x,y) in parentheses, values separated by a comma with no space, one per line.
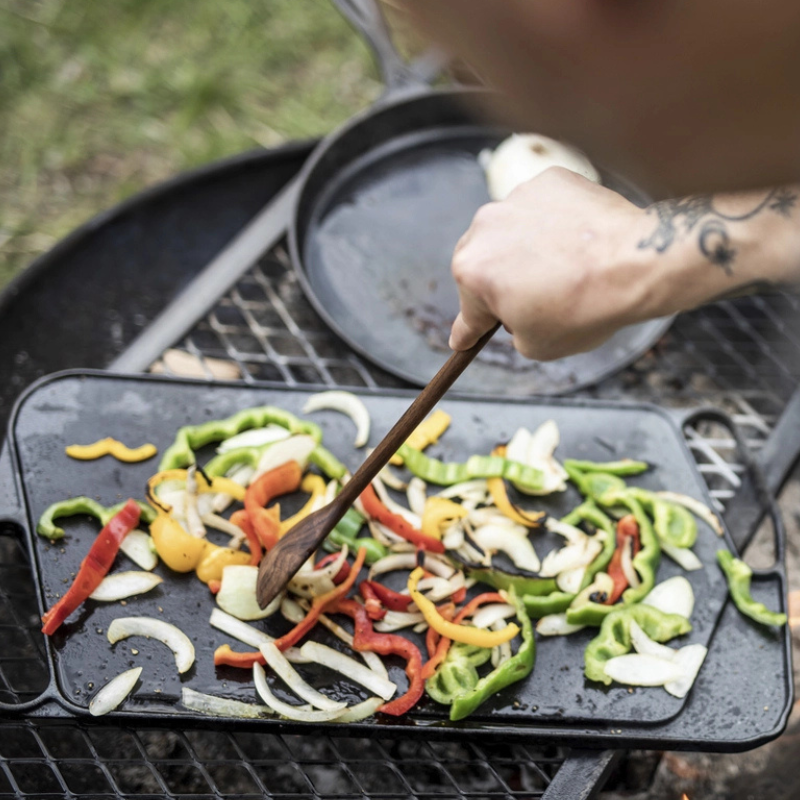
(372,603)
(459,595)
(241,519)
(627,529)
(365,638)
(94,567)
(444,643)
(343,572)
(320,604)
(265,521)
(390,599)
(396,523)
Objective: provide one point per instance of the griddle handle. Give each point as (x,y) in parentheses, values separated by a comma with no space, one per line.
(368,20)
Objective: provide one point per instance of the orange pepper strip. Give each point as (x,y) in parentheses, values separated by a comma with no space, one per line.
(433,636)
(241,519)
(281,480)
(396,523)
(225,657)
(321,604)
(444,643)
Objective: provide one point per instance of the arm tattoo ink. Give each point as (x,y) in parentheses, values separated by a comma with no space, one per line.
(679,218)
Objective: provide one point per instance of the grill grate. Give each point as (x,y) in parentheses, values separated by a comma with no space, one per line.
(265,329)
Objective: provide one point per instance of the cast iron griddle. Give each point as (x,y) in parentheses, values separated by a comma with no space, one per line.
(68,409)
(375,262)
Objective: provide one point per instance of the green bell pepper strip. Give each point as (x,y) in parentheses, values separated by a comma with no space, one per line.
(346,532)
(250,456)
(623,467)
(521,584)
(447,473)
(83,505)
(739,575)
(645,562)
(594,484)
(519,666)
(673,523)
(543,606)
(458,673)
(589,512)
(614,638)
(192,437)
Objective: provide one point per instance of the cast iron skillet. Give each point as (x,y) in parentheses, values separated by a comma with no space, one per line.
(382,203)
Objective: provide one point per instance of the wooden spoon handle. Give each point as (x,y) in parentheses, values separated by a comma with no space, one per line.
(413,415)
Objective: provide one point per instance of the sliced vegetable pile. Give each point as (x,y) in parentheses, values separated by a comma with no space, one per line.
(427,559)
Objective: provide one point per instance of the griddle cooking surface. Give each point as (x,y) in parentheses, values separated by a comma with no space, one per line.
(81,409)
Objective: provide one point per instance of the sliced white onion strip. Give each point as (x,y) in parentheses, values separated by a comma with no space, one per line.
(392,480)
(296,448)
(570,580)
(352,669)
(556,625)
(453,537)
(240,474)
(251,636)
(255,437)
(502,652)
(444,588)
(139,548)
(487,615)
(397,620)
(383,534)
(346,403)
(572,534)
(120,585)
(114,692)
(285,709)
(292,610)
(417,494)
(433,563)
(542,446)
(237,593)
(214,706)
(475,490)
(626,564)
(683,556)
(292,678)
(225,525)
(194,525)
(643,644)
(580,554)
(689,659)
(697,508)
(361,710)
(151,628)
(406,513)
(672,596)
(510,541)
(636,669)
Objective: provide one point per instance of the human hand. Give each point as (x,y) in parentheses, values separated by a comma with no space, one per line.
(556,263)
(564,263)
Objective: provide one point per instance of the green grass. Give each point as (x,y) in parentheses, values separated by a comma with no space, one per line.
(99,98)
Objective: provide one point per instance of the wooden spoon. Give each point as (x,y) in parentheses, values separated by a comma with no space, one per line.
(296,546)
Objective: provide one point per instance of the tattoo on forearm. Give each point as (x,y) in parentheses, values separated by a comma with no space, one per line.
(680,218)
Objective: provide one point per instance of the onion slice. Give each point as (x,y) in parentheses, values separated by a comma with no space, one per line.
(626,564)
(139,548)
(346,403)
(416,494)
(215,706)
(697,508)
(513,542)
(435,564)
(296,448)
(556,625)
(120,585)
(285,709)
(487,615)
(672,596)
(114,692)
(643,644)
(237,593)
(683,556)
(397,620)
(349,667)
(291,677)
(361,710)
(636,669)
(255,437)
(164,632)
(689,659)
(251,636)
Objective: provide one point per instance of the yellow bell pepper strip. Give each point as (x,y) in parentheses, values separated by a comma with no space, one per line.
(425,434)
(497,490)
(182,552)
(192,437)
(458,633)
(111,447)
(217,485)
(439,513)
(281,480)
(316,486)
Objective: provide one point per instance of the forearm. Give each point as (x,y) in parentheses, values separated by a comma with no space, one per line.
(699,249)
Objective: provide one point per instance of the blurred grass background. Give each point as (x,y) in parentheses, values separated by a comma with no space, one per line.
(100,99)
